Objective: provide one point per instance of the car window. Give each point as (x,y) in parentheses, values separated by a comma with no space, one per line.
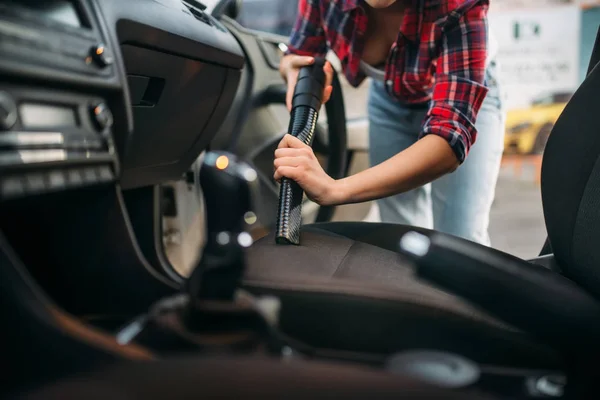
(552,98)
(271,16)
(562,97)
(543,100)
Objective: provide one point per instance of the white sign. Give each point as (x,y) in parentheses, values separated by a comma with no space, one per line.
(505,4)
(538,51)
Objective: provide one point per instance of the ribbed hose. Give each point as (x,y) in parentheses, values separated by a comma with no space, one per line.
(289,215)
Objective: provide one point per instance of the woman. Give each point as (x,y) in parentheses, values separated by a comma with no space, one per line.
(434,92)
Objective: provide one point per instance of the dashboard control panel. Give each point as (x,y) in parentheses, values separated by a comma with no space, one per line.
(54,34)
(56,76)
(97,91)
(49,140)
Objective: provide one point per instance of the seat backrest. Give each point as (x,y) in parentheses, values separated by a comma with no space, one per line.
(571,184)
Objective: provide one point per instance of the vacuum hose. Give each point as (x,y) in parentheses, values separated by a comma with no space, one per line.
(307,100)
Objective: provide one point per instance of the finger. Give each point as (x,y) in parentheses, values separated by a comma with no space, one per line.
(289,95)
(283,143)
(286,172)
(290,141)
(295,143)
(289,162)
(301,61)
(327,94)
(288,152)
(277,175)
(291,80)
(328,68)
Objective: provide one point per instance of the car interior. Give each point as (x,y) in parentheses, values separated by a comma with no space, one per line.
(120,119)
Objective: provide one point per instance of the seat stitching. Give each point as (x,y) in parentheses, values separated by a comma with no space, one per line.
(331,289)
(346,288)
(343,259)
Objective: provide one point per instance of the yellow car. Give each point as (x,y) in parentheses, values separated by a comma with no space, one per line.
(527,130)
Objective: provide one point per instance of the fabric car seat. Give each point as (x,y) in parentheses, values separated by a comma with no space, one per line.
(346,287)
(238,378)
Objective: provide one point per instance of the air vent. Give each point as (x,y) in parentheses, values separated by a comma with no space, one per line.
(197,10)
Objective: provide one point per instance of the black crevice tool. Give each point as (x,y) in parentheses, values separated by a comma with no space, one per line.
(306,103)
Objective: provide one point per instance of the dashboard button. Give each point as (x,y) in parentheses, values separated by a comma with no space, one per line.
(12,186)
(101,56)
(57,180)
(89,175)
(8,111)
(74,177)
(102,117)
(105,174)
(35,183)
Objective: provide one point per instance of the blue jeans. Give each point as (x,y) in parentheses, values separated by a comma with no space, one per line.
(458,203)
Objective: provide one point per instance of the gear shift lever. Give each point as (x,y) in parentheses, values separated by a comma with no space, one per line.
(213,314)
(226,183)
(227,186)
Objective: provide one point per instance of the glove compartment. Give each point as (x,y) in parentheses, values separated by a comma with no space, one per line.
(183,68)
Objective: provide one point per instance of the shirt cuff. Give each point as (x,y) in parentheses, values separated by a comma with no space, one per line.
(301,52)
(453,111)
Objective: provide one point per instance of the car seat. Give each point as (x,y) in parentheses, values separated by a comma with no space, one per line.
(326,283)
(237,378)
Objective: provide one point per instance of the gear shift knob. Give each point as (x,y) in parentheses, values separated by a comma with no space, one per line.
(213,313)
(227,186)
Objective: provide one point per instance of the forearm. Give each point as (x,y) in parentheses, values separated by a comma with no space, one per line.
(423,162)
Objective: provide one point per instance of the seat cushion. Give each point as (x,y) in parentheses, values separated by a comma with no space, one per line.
(343,294)
(240,378)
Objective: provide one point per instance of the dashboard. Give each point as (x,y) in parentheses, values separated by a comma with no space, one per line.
(100,102)
(102,91)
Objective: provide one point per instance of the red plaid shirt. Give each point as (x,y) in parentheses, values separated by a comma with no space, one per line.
(439,56)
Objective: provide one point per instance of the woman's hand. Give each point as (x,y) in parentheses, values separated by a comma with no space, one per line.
(290,67)
(297,161)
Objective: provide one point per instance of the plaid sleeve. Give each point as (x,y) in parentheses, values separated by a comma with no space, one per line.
(307,37)
(459,87)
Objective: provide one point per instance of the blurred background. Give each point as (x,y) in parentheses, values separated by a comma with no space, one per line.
(545,46)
